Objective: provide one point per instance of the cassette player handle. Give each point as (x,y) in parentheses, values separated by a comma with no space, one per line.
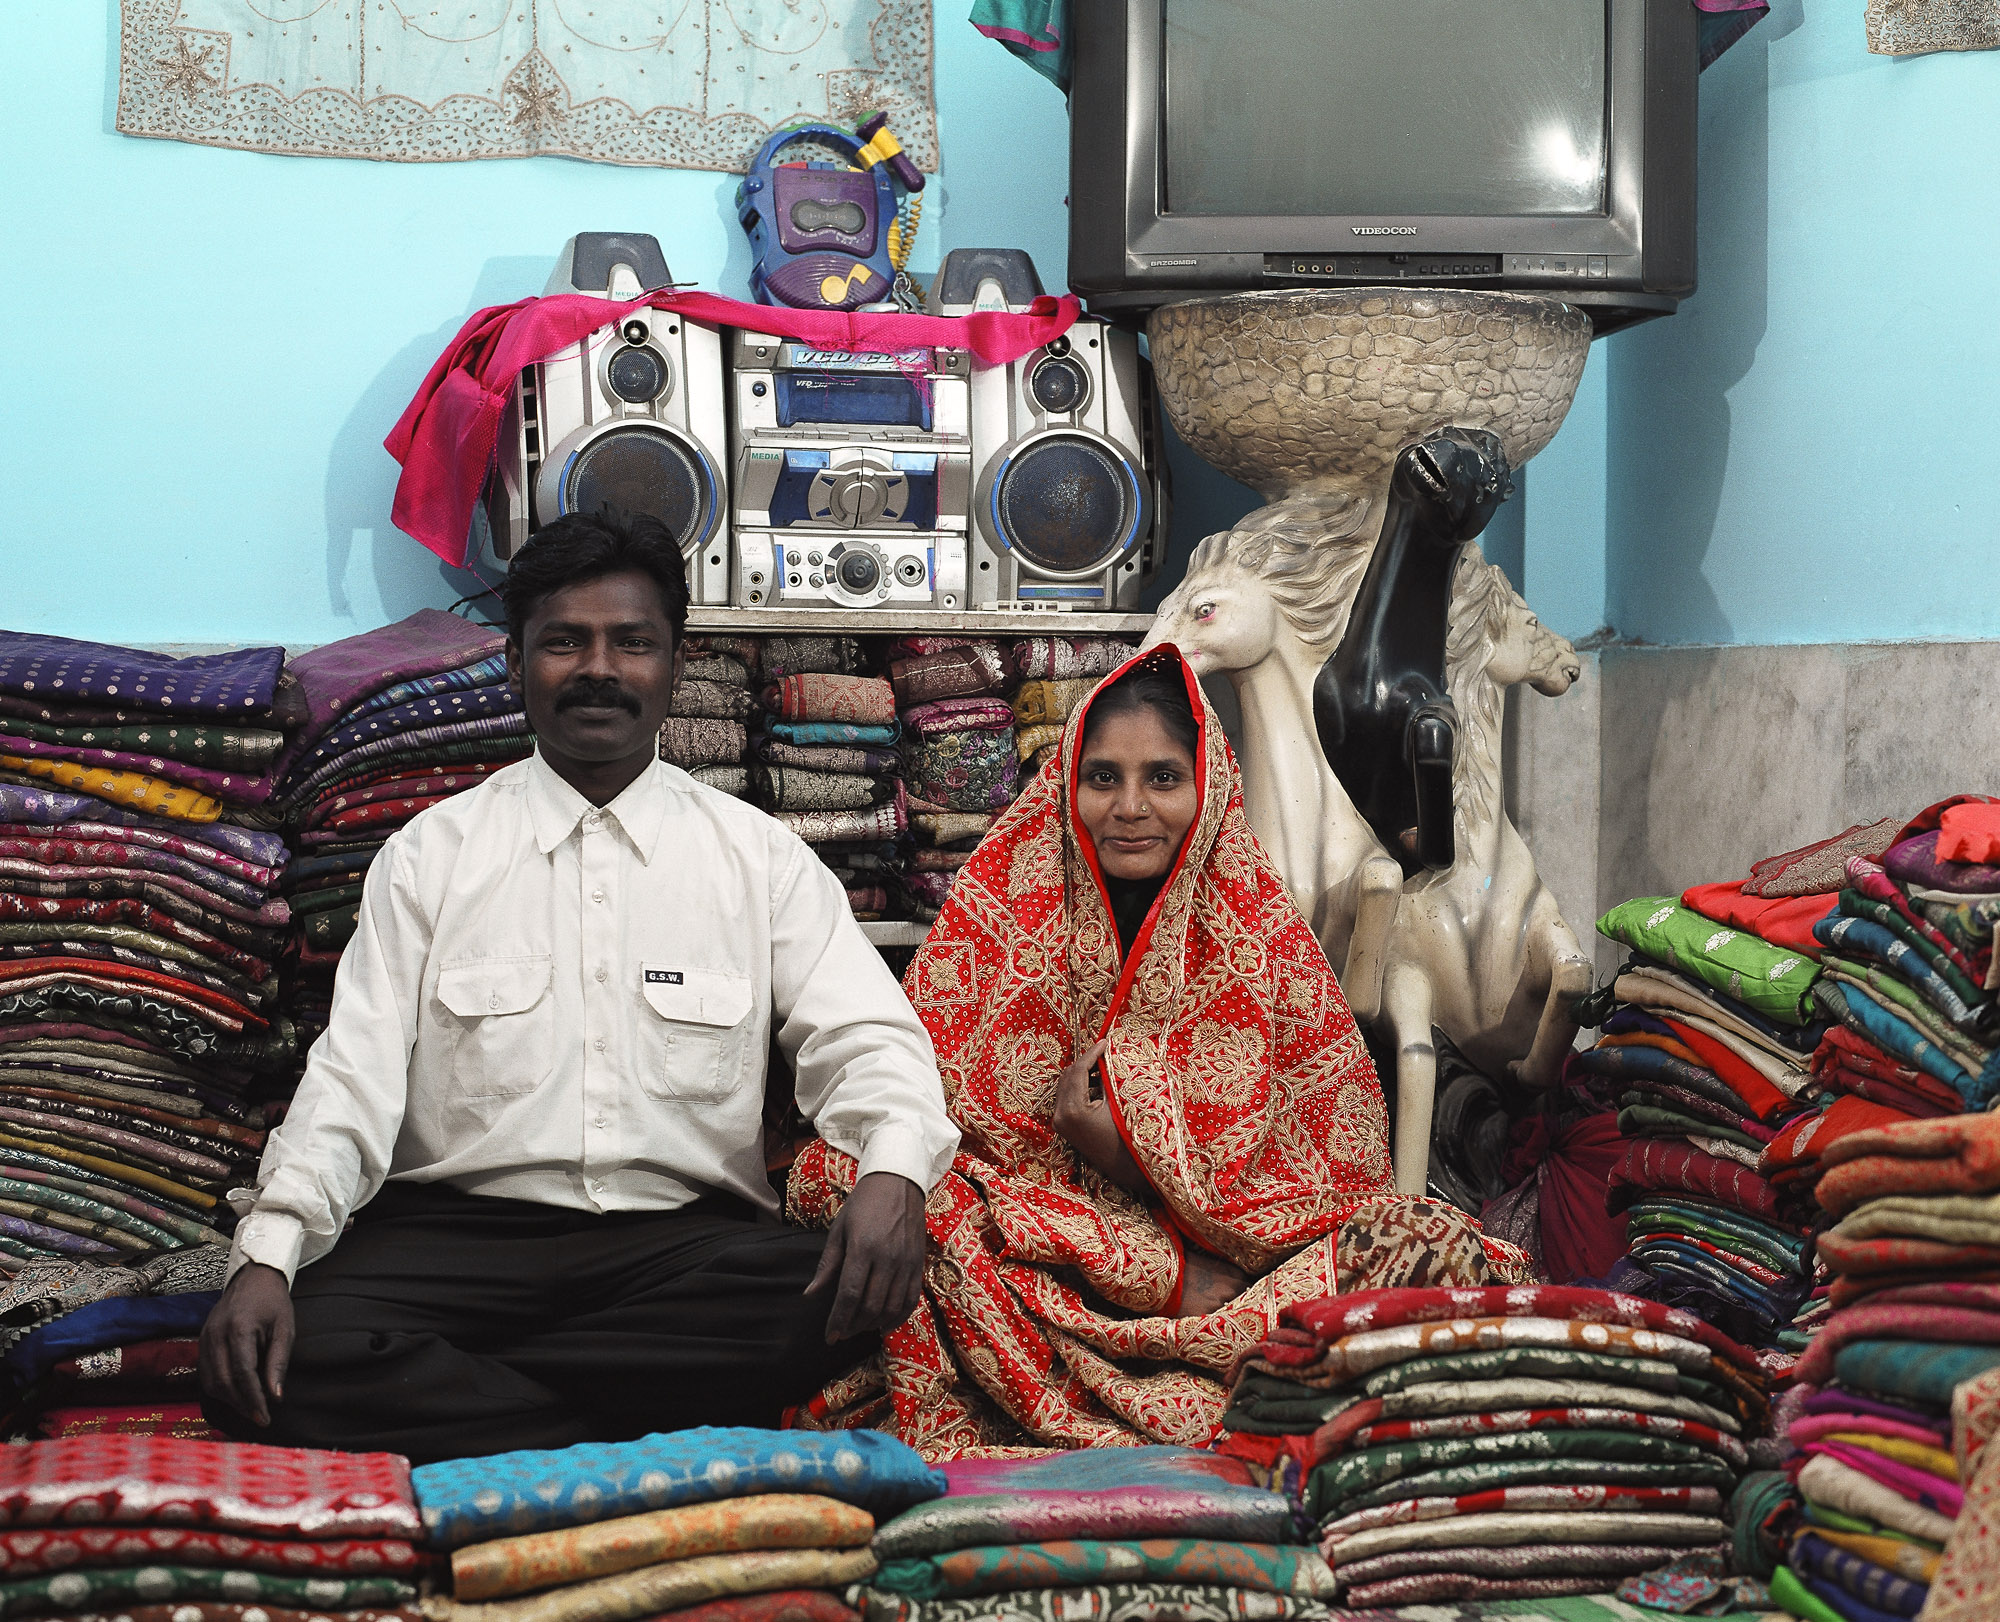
(879,145)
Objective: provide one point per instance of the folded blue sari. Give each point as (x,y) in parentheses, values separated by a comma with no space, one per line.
(471,1500)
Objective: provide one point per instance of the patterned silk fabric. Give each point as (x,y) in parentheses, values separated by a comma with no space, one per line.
(1239,1083)
(226,1486)
(573,1554)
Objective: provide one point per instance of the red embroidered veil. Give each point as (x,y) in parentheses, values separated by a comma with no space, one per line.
(1239,1083)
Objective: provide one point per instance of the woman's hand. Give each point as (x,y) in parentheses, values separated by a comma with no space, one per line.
(1085,1123)
(1208,1284)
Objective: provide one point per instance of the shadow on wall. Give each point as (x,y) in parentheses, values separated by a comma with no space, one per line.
(361,475)
(1205,501)
(1669,380)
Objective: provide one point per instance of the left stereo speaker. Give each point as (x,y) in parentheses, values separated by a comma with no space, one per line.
(630,417)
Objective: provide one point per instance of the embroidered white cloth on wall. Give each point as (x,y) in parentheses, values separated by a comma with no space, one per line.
(688,84)
(1910,27)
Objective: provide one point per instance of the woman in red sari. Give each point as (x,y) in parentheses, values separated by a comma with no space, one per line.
(1172,1129)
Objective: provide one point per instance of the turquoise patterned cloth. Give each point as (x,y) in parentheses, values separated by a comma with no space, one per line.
(471,1500)
(1923,1371)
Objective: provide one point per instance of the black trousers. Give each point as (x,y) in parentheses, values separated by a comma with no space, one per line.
(446,1325)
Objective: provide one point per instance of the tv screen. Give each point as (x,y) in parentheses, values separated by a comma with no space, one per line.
(1384,107)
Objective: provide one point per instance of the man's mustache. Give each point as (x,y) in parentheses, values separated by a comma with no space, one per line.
(596,694)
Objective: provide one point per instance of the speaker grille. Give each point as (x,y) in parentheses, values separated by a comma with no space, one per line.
(642,470)
(1065,504)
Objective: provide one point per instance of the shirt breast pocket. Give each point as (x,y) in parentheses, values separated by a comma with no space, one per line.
(697,1031)
(503,1017)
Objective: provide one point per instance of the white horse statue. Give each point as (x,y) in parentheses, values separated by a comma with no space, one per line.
(1480,949)
(1265,604)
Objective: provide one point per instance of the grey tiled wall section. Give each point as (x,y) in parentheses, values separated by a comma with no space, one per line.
(1663,767)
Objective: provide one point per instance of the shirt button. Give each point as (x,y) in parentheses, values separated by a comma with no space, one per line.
(599,1123)
(493,1001)
(599,1044)
(591,819)
(597,895)
(602,976)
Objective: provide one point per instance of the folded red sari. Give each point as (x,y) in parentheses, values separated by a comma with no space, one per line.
(1675,1168)
(1809,1141)
(1783,921)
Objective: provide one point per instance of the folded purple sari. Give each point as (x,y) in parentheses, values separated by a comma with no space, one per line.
(419,715)
(337,677)
(239,685)
(32,805)
(99,853)
(46,878)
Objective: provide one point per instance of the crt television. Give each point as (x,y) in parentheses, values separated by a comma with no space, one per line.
(1535,145)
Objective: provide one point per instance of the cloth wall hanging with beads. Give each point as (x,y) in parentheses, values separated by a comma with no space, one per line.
(684,84)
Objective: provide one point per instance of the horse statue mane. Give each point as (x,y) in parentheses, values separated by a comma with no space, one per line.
(1308,552)
(1482,600)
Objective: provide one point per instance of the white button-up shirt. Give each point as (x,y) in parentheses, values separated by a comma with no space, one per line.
(547,1001)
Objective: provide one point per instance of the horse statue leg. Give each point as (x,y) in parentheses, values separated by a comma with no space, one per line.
(1376,887)
(1408,1003)
(1553,952)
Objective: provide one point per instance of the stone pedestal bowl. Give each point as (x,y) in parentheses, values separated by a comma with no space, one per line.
(1301,393)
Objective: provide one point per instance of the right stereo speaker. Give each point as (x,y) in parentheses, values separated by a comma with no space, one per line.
(1069,506)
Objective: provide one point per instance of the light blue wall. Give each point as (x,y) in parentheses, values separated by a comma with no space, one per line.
(1807,451)
(204,348)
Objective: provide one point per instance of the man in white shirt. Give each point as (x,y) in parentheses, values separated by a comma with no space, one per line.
(540,1096)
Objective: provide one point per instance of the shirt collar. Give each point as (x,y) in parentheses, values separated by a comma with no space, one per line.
(639,811)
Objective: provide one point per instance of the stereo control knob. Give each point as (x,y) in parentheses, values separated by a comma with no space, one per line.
(860,573)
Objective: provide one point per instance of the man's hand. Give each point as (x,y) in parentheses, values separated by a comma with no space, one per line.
(1086,1124)
(876,1246)
(247,1343)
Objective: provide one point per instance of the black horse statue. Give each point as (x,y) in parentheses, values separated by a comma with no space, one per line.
(1386,722)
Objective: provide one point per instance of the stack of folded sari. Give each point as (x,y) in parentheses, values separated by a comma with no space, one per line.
(139,936)
(1708,1031)
(1506,1442)
(706,733)
(1915,1257)
(400,718)
(147,1386)
(1165,1533)
(1040,709)
(158,1530)
(1908,970)
(826,765)
(1056,674)
(958,755)
(1964,1583)
(607,1532)
(92,1348)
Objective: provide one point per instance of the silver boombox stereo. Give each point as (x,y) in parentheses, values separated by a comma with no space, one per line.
(852,475)
(1069,503)
(630,417)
